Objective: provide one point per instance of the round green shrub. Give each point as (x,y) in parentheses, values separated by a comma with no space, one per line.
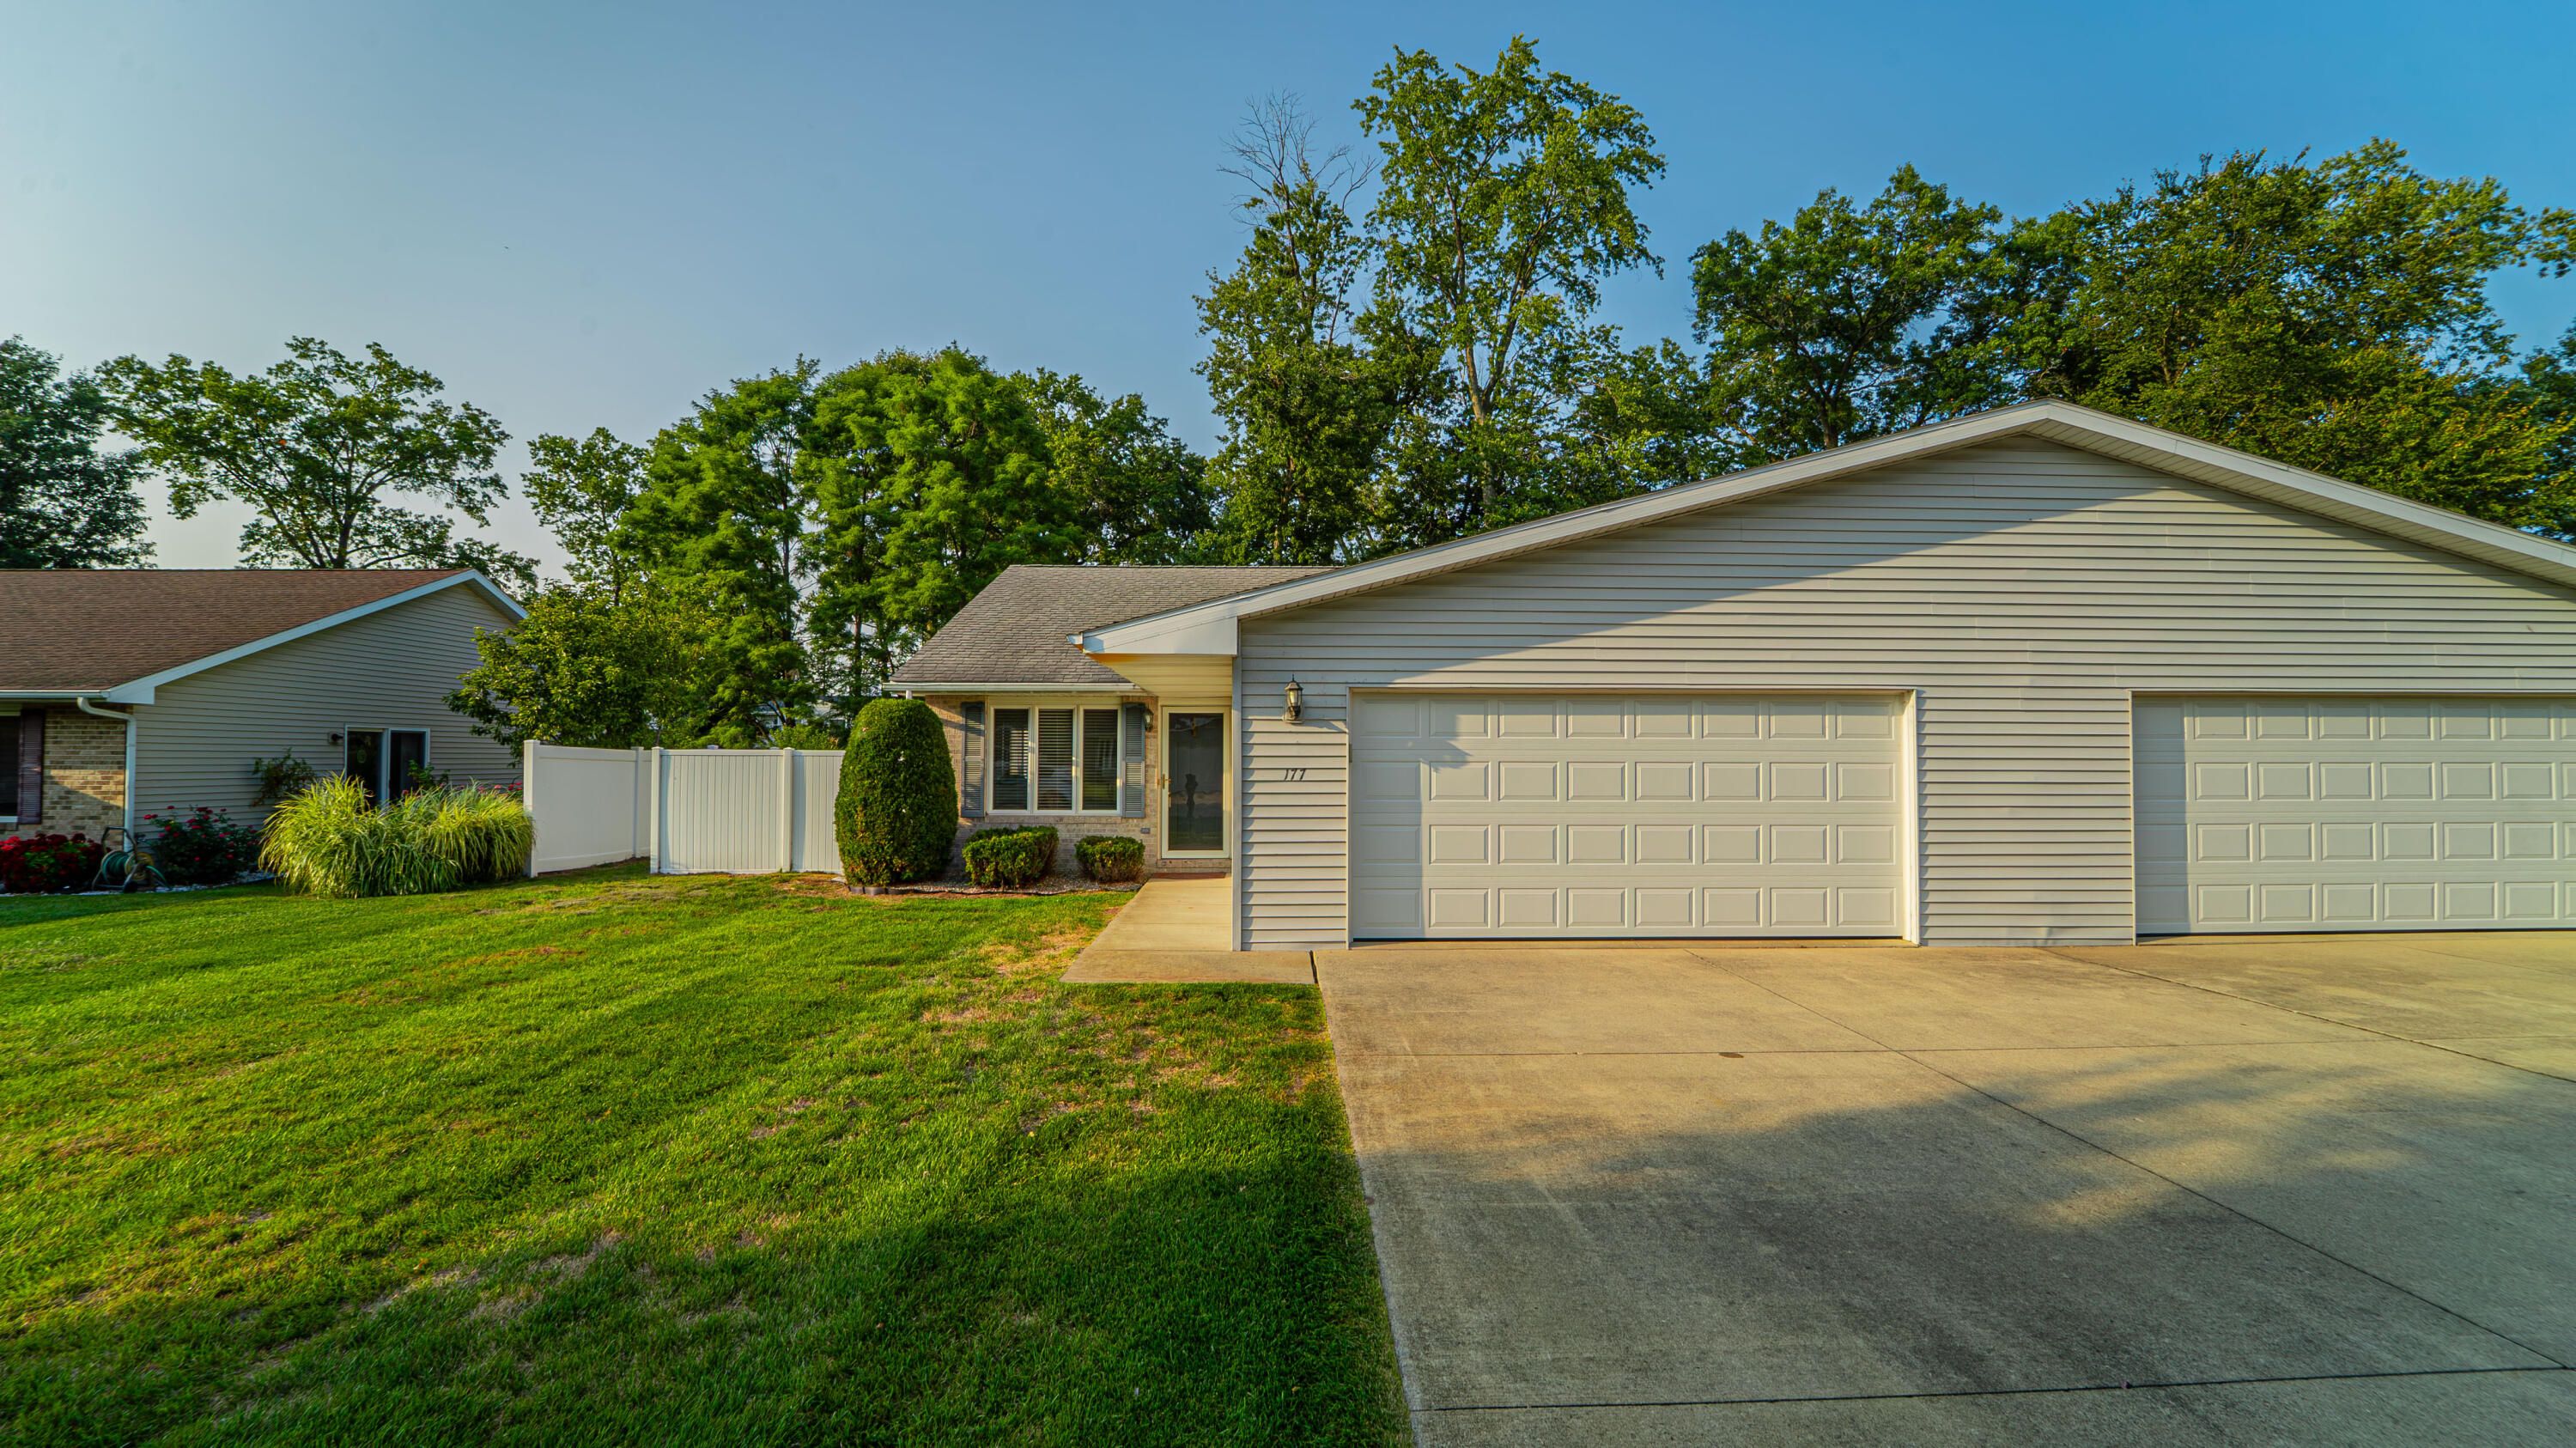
(897,813)
(1111,858)
(1006,857)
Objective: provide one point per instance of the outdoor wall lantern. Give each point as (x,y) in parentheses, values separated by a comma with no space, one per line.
(1296,701)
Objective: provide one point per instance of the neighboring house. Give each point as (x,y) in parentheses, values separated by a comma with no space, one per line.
(150,691)
(2037,675)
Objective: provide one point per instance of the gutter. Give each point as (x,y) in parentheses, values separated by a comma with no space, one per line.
(133,729)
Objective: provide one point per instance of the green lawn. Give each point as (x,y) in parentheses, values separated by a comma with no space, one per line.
(618,1159)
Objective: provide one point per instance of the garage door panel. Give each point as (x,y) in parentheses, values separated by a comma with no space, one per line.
(1602,815)
(2353,814)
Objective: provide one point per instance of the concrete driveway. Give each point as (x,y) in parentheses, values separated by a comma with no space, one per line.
(2274,1192)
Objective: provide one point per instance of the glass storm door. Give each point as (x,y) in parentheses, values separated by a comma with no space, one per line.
(1194,784)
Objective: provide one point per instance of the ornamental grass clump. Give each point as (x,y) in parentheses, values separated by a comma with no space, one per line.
(896,816)
(330,840)
(484,834)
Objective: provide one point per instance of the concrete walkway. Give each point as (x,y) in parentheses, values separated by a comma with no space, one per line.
(2281,1192)
(1173,931)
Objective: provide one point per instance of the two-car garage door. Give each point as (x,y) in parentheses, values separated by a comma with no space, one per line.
(1598,816)
(2365,814)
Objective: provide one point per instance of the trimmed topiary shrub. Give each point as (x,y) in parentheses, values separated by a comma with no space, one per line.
(897,813)
(1111,858)
(1007,857)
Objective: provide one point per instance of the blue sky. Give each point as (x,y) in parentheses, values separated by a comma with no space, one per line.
(587,215)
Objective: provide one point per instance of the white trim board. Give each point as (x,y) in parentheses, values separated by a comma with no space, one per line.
(1210,627)
(142,690)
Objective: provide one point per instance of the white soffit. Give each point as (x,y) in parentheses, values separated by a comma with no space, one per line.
(1209,627)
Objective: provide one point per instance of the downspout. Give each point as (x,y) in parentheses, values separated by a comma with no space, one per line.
(133,727)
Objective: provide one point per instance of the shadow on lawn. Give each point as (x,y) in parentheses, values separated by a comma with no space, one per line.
(1057,1299)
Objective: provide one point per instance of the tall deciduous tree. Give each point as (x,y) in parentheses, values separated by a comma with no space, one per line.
(1137,493)
(1502,203)
(723,510)
(2329,314)
(2332,315)
(1825,331)
(580,489)
(932,475)
(1309,399)
(2548,384)
(316,444)
(63,503)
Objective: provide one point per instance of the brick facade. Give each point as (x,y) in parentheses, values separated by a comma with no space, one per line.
(84,776)
(1069,828)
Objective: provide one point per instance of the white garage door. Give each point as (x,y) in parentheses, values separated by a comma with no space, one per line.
(1584,816)
(2355,814)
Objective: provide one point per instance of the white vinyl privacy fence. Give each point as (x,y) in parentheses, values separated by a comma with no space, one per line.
(690,811)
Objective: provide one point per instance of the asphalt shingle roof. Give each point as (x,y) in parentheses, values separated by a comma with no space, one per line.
(1014,631)
(89,630)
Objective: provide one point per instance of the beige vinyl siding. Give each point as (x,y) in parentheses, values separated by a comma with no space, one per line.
(1186,681)
(2022,589)
(391,669)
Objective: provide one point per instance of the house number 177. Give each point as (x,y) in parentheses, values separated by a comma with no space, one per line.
(1292,774)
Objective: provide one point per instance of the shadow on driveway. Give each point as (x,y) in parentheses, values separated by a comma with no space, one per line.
(2182,1195)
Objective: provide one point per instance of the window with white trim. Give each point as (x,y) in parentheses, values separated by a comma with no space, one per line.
(1054,759)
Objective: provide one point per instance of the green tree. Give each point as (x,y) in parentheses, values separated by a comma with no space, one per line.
(583,671)
(581,489)
(1827,330)
(2333,315)
(2548,381)
(1137,493)
(315,444)
(1309,400)
(63,503)
(723,512)
(1502,203)
(931,475)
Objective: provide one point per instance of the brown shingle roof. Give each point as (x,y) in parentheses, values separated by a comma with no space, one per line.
(1014,631)
(89,630)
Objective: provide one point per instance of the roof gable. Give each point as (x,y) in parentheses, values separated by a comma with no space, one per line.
(1209,627)
(122,632)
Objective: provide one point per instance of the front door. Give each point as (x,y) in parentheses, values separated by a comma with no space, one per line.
(1194,784)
